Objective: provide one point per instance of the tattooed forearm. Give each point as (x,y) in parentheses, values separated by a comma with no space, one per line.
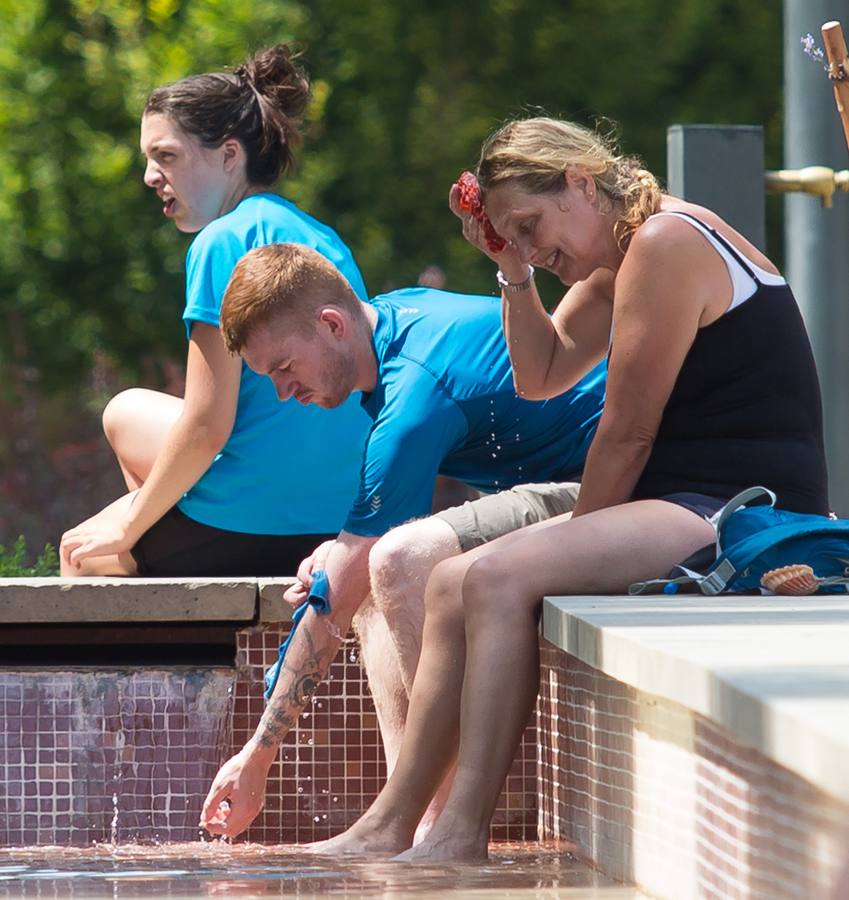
(297,683)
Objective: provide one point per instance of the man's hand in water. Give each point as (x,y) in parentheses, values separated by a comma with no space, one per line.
(237,794)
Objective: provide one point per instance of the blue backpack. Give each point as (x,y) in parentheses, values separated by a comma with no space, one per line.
(752,540)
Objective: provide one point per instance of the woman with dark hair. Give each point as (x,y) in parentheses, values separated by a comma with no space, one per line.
(711,388)
(227,480)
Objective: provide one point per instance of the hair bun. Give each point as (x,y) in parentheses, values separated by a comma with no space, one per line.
(275,74)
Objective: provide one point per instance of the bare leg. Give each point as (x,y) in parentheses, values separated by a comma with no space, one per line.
(383,666)
(390,627)
(135,423)
(481,634)
(388,827)
(599,553)
(400,563)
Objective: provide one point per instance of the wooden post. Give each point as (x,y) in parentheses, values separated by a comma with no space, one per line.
(838,70)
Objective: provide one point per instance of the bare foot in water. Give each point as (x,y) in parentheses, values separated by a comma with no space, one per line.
(436,849)
(364,838)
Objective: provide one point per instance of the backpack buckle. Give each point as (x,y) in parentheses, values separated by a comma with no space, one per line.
(716,581)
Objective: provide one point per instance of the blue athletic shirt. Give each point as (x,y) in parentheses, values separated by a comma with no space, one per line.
(444,403)
(286,468)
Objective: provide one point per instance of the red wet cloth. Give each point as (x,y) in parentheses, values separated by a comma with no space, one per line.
(472,202)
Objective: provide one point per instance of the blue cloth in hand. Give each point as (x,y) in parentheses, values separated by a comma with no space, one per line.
(317,599)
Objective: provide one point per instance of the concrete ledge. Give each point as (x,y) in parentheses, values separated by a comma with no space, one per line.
(772,671)
(126,600)
(272,606)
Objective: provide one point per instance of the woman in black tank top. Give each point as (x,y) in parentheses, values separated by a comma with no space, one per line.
(710,390)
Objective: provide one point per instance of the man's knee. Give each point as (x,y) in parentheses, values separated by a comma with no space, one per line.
(404,556)
(389,556)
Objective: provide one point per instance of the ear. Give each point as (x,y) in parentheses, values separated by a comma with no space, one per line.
(233,154)
(583,182)
(334,321)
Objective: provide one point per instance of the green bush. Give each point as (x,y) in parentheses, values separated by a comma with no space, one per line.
(13,561)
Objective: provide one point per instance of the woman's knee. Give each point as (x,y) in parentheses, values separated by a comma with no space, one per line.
(444,594)
(119,412)
(491,588)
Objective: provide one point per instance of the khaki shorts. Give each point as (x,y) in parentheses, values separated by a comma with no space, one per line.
(478,521)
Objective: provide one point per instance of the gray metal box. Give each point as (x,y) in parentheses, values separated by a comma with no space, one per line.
(721,167)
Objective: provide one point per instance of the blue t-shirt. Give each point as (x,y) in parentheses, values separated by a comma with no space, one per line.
(286,468)
(444,403)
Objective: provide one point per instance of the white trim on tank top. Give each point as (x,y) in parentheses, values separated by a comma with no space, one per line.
(743,285)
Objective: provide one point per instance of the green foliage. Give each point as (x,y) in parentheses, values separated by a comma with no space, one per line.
(87,261)
(411,90)
(13,561)
(404,93)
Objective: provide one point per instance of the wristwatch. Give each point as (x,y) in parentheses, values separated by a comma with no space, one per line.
(514,287)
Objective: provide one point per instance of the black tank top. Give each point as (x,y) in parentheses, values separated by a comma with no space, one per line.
(745,408)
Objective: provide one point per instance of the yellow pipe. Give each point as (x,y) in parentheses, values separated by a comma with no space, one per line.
(820,181)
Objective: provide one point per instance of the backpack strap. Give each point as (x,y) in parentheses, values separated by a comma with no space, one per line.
(744,498)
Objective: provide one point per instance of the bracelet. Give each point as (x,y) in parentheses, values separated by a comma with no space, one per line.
(514,287)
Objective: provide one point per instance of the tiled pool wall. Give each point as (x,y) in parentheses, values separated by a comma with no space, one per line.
(128,755)
(648,790)
(332,767)
(98,756)
(659,796)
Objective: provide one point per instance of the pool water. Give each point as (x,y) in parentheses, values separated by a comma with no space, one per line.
(251,870)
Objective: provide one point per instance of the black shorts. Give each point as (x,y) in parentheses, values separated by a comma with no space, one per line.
(701,504)
(177,546)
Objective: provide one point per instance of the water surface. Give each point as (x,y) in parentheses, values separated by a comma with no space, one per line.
(521,871)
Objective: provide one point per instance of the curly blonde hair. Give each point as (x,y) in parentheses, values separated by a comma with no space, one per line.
(535,152)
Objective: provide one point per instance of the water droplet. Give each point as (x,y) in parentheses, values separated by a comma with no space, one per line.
(300,790)
(316,819)
(494,455)
(335,799)
(498,446)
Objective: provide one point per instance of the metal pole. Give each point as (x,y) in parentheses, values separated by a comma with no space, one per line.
(817,239)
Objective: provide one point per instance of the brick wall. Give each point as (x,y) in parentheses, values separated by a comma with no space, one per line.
(660,796)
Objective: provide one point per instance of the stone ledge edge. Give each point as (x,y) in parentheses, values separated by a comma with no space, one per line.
(789,741)
(63,601)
